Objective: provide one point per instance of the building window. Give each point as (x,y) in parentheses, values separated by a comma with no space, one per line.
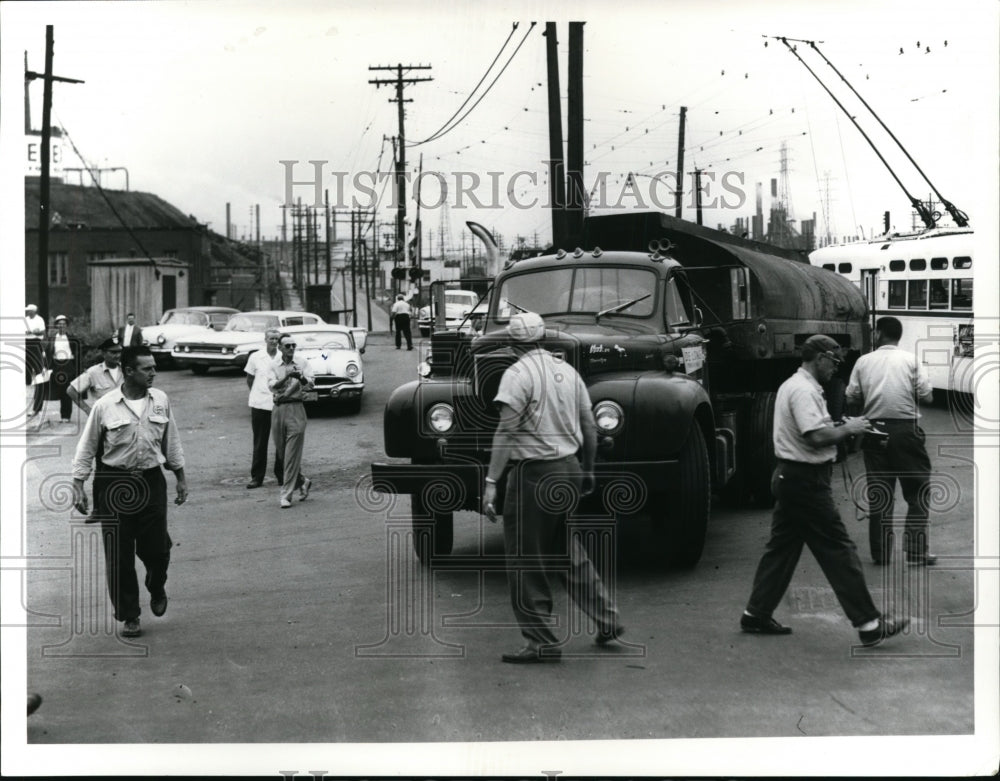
(918,264)
(962,262)
(939,293)
(939,264)
(170,253)
(897,295)
(961,293)
(897,265)
(58,269)
(917,294)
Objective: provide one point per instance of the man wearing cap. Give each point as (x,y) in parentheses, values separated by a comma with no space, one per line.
(132,434)
(888,384)
(288,379)
(62,353)
(805,443)
(99,379)
(546,427)
(400,313)
(129,335)
(34,336)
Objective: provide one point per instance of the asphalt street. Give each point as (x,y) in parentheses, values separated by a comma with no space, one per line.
(317,624)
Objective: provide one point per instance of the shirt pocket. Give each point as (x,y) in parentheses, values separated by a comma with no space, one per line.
(118,432)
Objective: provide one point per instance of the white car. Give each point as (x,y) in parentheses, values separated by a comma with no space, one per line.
(457,305)
(181,323)
(230,347)
(334,355)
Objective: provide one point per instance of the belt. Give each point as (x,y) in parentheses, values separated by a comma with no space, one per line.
(288,401)
(516,461)
(804,463)
(102,467)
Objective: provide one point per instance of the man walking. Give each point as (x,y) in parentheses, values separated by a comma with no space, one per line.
(34,338)
(261,403)
(98,380)
(805,443)
(289,378)
(62,355)
(134,431)
(887,385)
(129,335)
(401,317)
(545,422)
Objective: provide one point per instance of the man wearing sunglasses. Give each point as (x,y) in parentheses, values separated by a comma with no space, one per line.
(805,443)
(289,379)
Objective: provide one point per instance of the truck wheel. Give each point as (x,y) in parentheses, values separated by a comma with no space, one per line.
(430,527)
(759,462)
(680,516)
(199,368)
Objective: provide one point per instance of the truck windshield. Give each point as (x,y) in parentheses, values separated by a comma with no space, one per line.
(586,290)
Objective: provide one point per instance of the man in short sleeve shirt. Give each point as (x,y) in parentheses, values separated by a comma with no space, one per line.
(261,403)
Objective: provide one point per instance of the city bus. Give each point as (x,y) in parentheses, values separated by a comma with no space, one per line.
(925,279)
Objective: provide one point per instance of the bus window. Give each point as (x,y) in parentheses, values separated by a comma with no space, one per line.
(829,267)
(918,264)
(962,262)
(897,294)
(845,268)
(961,293)
(939,293)
(917,298)
(939,264)
(897,265)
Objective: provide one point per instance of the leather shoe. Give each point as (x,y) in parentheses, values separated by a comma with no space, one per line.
(605,637)
(887,627)
(131,628)
(158,604)
(304,489)
(34,700)
(533,655)
(254,484)
(921,559)
(758,625)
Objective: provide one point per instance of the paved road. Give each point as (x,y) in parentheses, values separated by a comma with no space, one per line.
(314,625)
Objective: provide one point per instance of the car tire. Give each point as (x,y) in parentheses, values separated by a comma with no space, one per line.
(433,532)
(680,515)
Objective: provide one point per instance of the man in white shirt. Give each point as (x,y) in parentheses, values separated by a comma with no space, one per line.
(62,354)
(401,319)
(888,385)
(99,379)
(34,336)
(130,335)
(261,403)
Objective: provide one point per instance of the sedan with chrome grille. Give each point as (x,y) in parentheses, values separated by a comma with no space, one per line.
(334,355)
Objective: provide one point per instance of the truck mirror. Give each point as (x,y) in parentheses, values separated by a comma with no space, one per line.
(699,318)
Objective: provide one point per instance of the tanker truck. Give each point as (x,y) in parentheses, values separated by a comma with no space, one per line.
(682,335)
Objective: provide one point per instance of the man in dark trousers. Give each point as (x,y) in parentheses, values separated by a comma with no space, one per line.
(133,430)
(401,318)
(129,335)
(546,428)
(888,385)
(62,356)
(805,443)
(261,401)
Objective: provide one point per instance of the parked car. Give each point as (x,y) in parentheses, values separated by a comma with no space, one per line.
(184,322)
(457,305)
(334,355)
(230,347)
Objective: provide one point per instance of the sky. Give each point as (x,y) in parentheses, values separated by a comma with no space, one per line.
(200,102)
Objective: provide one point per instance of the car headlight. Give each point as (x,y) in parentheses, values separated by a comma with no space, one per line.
(225,350)
(609,416)
(441,418)
(353,370)
(161,339)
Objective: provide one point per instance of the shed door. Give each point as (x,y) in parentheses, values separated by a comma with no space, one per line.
(169,292)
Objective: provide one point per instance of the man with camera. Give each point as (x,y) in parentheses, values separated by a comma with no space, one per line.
(886,385)
(289,379)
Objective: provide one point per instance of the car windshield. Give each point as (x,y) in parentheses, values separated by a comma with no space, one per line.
(176,317)
(323,340)
(219,319)
(252,322)
(579,290)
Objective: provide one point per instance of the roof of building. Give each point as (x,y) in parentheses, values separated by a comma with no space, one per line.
(75,207)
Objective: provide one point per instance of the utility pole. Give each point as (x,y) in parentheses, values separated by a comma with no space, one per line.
(557,180)
(44,213)
(697,194)
(679,195)
(400,82)
(574,136)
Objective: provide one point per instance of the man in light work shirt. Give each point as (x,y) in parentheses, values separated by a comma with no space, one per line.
(805,443)
(289,379)
(401,319)
(545,421)
(99,379)
(887,385)
(261,403)
(134,431)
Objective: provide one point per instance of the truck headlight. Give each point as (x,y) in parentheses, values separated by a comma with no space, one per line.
(441,418)
(609,417)
(352,370)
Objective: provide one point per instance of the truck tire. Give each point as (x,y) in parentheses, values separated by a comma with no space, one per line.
(437,528)
(759,462)
(680,516)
